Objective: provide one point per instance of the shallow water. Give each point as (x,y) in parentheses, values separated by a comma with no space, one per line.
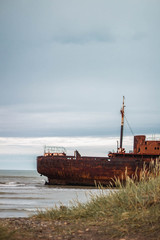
(23,192)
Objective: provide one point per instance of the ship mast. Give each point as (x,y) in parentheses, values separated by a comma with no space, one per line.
(122,124)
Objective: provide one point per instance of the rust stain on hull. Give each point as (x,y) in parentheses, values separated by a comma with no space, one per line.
(83,172)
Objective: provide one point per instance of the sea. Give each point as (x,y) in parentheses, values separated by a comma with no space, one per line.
(23,193)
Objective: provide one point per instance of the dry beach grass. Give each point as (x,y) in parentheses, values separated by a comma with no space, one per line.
(132,212)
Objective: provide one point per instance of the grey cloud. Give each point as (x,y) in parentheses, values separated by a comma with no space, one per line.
(78,57)
(83,38)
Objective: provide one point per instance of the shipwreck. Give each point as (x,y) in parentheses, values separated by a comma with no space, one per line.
(63,169)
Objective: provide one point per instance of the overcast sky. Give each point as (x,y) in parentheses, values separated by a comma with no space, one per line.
(65,66)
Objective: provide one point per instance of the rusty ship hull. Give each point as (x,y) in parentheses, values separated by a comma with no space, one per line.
(84,171)
(67,170)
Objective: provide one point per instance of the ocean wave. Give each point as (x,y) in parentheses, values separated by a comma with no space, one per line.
(12,184)
(23,198)
(18,209)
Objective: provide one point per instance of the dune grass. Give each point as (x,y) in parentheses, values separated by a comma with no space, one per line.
(134,208)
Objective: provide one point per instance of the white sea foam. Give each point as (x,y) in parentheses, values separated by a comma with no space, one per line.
(12,184)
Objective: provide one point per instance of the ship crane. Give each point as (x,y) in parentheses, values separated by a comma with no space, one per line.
(121,149)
